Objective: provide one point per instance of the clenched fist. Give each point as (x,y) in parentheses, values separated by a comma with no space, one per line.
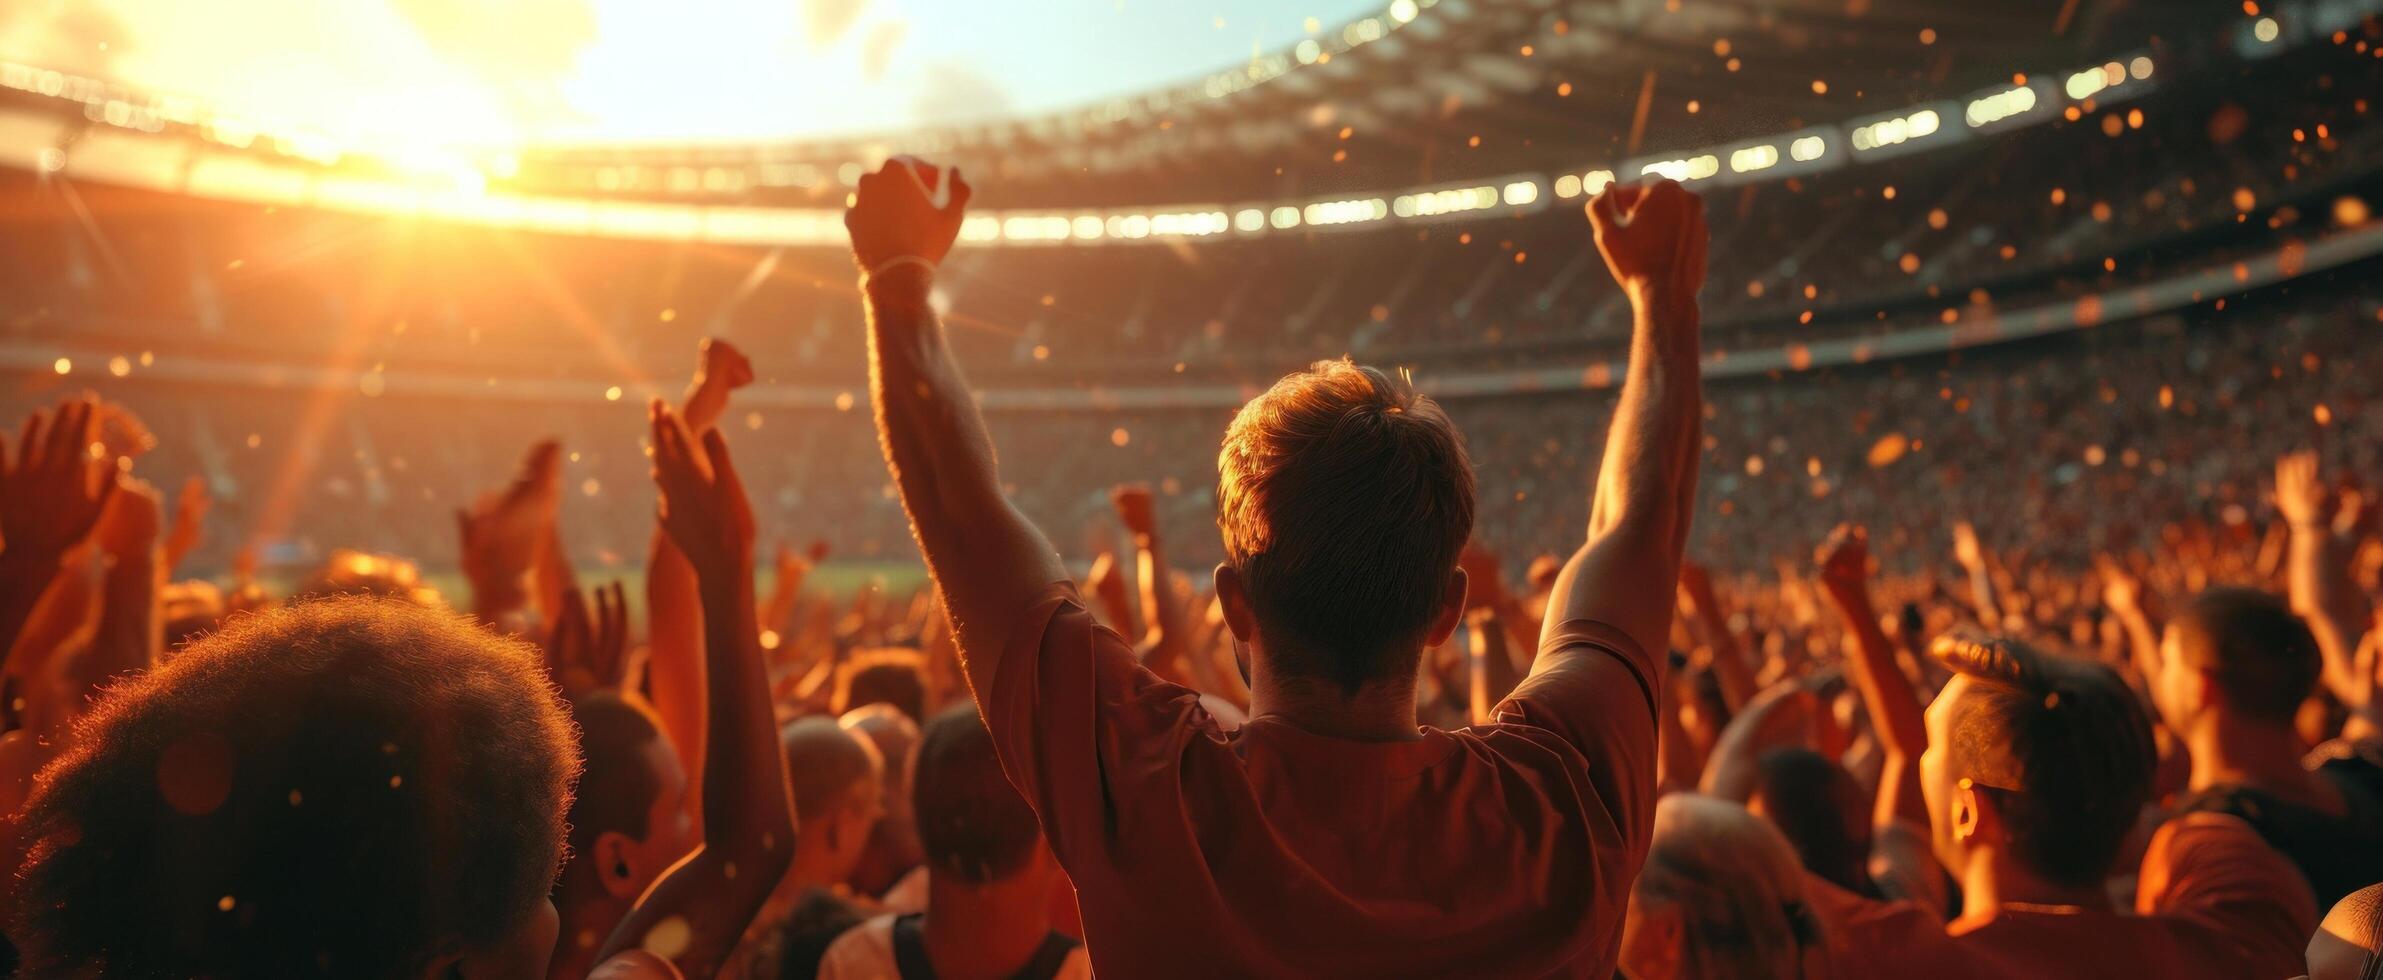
(908,209)
(1653,238)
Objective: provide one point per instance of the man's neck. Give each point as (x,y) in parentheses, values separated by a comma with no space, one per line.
(1993,882)
(1381,711)
(988,930)
(2263,757)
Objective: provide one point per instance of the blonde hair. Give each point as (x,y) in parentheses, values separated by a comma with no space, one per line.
(1736,885)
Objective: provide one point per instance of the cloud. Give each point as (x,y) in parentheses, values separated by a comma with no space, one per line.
(878,49)
(957,93)
(826,20)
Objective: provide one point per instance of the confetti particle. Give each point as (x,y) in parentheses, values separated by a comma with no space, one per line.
(1888,449)
(612,394)
(225,903)
(63,365)
(844,401)
(1119,437)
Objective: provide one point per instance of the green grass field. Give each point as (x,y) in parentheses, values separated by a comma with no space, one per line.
(836,578)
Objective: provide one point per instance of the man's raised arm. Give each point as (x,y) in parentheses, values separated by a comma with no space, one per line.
(987,560)
(1653,239)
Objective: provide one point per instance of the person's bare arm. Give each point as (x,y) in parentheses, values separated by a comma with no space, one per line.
(1779,717)
(503,531)
(1679,767)
(1654,243)
(989,562)
(1738,684)
(2123,596)
(1896,715)
(51,497)
(1493,670)
(2317,573)
(1972,557)
(697,911)
(675,662)
(130,635)
(190,523)
(1168,637)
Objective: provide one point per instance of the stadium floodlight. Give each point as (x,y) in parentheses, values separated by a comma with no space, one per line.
(1567,186)
(1896,131)
(1806,149)
(1520,193)
(1687,169)
(980,228)
(1596,181)
(1088,227)
(1751,159)
(1353,211)
(1914,129)
(1284,217)
(1250,220)
(1189,224)
(2005,103)
(1403,11)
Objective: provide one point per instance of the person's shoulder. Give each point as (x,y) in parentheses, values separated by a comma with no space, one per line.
(1588,676)
(635,964)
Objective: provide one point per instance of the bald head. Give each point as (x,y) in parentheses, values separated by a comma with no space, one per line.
(2349,945)
(823,763)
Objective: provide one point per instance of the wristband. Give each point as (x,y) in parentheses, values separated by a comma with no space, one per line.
(900,260)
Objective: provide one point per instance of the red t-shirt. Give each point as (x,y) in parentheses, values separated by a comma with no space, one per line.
(2213,901)
(1271,851)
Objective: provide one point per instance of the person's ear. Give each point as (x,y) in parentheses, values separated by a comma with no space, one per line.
(2200,690)
(618,865)
(1451,611)
(1239,618)
(1968,811)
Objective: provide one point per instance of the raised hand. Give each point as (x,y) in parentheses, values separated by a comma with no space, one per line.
(1137,509)
(909,210)
(503,531)
(1485,582)
(1845,558)
(720,368)
(1653,238)
(1966,548)
(589,649)
(703,506)
(2121,590)
(2298,494)
(190,520)
(53,491)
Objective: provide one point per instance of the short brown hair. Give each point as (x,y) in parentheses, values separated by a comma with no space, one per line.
(1344,497)
(2063,744)
(2263,658)
(328,789)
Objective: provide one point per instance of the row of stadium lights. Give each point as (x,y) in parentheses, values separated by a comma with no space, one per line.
(1780,156)
(1995,106)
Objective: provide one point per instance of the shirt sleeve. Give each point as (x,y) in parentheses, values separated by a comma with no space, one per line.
(1077,720)
(2216,872)
(1594,689)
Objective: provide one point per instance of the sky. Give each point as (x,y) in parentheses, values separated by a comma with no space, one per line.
(498,72)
